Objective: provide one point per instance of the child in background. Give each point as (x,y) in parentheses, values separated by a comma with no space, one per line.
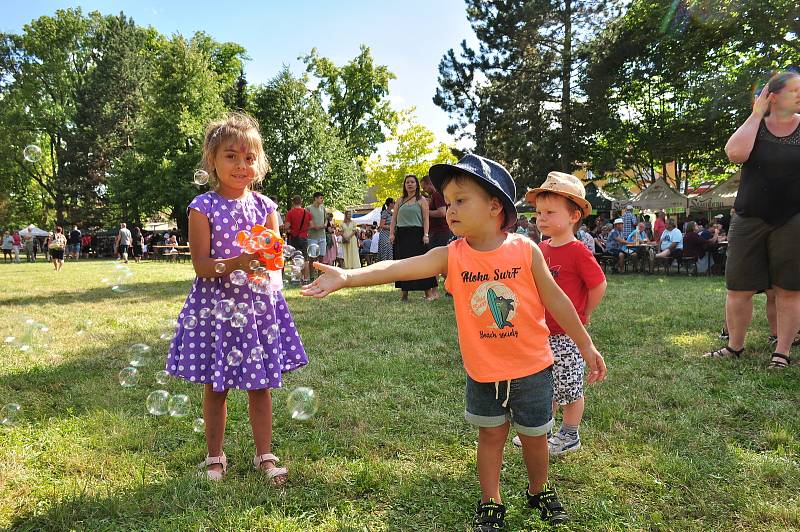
(501,287)
(209,346)
(560,205)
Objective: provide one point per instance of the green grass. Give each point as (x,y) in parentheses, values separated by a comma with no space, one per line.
(671,441)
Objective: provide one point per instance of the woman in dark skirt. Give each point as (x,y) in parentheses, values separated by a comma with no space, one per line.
(138,244)
(409,233)
(384,245)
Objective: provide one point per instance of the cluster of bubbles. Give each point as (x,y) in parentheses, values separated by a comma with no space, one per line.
(118,278)
(32,153)
(30,336)
(159,402)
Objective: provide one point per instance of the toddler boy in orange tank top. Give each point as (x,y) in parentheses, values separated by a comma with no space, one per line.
(501,287)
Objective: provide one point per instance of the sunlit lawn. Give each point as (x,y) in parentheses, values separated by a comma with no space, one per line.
(671,441)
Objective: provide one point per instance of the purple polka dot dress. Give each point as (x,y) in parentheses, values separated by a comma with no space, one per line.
(210,350)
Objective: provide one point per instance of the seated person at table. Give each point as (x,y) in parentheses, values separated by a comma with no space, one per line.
(695,246)
(586,237)
(639,234)
(671,243)
(615,245)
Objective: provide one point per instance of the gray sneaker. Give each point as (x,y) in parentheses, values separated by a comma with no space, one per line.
(561,443)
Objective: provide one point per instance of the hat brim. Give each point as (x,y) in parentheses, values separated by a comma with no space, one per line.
(439,172)
(582,203)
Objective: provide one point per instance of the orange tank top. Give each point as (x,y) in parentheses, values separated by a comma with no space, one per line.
(500,317)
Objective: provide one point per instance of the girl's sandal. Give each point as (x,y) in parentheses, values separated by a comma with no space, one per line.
(213,474)
(276,475)
(779,361)
(725,352)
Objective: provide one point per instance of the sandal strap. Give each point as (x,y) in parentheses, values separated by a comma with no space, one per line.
(786,360)
(489,514)
(725,352)
(266,457)
(214,460)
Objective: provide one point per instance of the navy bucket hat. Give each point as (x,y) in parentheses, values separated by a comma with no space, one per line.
(489,173)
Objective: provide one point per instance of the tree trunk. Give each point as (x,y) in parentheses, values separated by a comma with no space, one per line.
(566,80)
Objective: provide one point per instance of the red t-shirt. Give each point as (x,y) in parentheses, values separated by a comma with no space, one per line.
(299,220)
(576,271)
(437,225)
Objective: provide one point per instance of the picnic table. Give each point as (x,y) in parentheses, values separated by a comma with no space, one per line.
(173,253)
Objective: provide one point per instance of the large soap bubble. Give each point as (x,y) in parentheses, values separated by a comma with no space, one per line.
(303,403)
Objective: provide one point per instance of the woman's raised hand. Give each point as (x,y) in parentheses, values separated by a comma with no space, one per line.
(331,280)
(761,103)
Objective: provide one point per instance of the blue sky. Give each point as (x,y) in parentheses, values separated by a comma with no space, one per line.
(409,37)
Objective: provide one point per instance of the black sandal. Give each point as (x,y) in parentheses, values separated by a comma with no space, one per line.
(725,352)
(550,508)
(489,516)
(779,361)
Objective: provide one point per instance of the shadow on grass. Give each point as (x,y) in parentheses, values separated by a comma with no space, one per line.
(150,291)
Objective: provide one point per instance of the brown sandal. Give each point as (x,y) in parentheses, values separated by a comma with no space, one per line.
(779,361)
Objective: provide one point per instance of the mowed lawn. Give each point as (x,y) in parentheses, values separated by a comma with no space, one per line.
(671,441)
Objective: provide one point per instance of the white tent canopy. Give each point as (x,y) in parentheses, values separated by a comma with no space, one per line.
(720,197)
(659,195)
(34,230)
(372,216)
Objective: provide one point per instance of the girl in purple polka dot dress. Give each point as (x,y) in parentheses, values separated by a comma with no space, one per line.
(228,335)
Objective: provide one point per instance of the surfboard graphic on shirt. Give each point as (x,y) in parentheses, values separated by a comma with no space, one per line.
(500,308)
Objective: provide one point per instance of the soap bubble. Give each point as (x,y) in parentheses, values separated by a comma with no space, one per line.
(238,320)
(157,402)
(219,267)
(120,289)
(9,414)
(190,322)
(238,277)
(32,153)
(162,377)
(129,377)
(198,425)
(288,251)
(256,354)
(235,357)
(254,264)
(259,307)
(204,313)
(243,308)
(303,403)
(272,332)
(178,405)
(166,335)
(9,339)
(32,335)
(139,354)
(313,250)
(200,177)
(224,309)
(84,327)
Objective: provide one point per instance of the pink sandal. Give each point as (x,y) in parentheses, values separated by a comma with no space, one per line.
(212,474)
(276,475)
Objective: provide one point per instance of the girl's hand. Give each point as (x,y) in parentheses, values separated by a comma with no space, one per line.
(425,239)
(761,103)
(391,238)
(596,363)
(331,280)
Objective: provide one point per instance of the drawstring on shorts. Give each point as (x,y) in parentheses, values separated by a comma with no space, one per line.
(497,392)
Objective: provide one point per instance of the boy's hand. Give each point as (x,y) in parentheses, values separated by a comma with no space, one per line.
(331,280)
(597,366)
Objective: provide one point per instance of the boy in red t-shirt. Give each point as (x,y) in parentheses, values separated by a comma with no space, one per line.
(560,205)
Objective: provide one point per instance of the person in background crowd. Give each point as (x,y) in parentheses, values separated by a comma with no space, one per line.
(123,241)
(298,220)
(586,238)
(16,246)
(330,241)
(629,220)
(350,242)
(671,243)
(138,245)
(438,230)
(86,245)
(8,243)
(56,246)
(648,227)
(642,255)
(74,243)
(522,226)
(659,225)
(31,245)
(384,244)
(316,231)
(615,245)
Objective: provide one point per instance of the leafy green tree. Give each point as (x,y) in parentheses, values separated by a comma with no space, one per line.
(519,89)
(413,150)
(304,149)
(357,98)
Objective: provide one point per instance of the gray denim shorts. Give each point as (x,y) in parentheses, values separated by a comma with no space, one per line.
(527,402)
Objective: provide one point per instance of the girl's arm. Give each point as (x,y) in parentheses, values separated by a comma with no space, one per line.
(272,222)
(394,221)
(200,247)
(594,297)
(562,309)
(382,223)
(741,142)
(430,264)
(426,220)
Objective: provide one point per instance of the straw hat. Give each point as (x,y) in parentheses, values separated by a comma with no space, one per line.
(566,185)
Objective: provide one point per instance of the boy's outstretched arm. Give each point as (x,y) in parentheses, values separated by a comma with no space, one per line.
(562,309)
(430,264)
